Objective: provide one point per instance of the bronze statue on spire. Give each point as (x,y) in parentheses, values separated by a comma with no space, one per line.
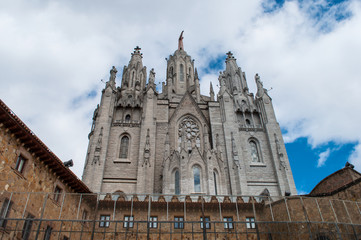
(180,42)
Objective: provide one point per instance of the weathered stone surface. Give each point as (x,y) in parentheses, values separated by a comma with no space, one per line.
(225,162)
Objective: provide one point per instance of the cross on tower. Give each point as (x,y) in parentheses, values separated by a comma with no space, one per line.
(137,49)
(230,54)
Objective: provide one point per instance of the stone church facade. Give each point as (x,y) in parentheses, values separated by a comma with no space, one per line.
(177,141)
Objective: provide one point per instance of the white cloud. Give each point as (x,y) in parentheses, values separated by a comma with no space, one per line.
(301,192)
(56,52)
(322,157)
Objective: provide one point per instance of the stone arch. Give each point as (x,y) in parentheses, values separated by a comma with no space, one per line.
(181,72)
(124,146)
(197,178)
(119,195)
(127,118)
(176,180)
(132,78)
(255,150)
(216,182)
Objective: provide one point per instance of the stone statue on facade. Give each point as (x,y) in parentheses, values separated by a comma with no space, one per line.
(180,42)
(113,73)
(260,89)
(151,76)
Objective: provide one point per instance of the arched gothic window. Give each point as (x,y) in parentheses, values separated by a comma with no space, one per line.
(181,72)
(132,80)
(127,118)
(197,179)
(254,152)
(176,182)
(124,145)
(215,182)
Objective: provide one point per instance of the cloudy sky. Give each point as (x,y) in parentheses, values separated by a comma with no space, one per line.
(55,53)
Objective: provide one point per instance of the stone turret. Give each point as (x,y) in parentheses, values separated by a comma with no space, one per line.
(181,75)
(134,75)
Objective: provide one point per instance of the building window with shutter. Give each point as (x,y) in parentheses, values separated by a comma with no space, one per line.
(20,164)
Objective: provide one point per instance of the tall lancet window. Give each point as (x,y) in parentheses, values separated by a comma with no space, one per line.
(124,145)
(181,72)
(197,179)
(198,142)
(176,182)
(215,182)
(254,152)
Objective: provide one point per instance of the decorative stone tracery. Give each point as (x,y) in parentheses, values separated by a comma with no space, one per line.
(188,134)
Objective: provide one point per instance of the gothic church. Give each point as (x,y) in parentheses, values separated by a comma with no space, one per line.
(178,141)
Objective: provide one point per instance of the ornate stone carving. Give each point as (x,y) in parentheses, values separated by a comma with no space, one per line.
(280,154)
(146,150)
(234,152)
(188,134)
(113,73)
(260,90)
(151,76)
(98,148)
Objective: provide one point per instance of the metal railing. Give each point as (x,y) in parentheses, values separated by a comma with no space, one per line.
(31,215)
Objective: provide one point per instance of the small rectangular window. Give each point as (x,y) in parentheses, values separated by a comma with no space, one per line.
(178,222)
(84,216)
(5,210)
(104,221)
(228,222)
(47,233)
(153,222)
(27,227)
(57,193)
(20,163)
(128,221)
(250,223)
(207,221)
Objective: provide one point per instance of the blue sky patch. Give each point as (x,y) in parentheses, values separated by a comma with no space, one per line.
(320,11)
(215,64)
(272,5)
(303,160)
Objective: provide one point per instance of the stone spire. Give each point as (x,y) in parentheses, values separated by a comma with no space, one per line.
(180,71)
(134,75)
(195,74)
(211,92)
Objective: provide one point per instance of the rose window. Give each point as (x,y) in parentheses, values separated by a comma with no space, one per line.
(188,134)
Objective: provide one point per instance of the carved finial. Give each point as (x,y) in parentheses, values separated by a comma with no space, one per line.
(196,74)
(211,92)
(137,51)
(180,42)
